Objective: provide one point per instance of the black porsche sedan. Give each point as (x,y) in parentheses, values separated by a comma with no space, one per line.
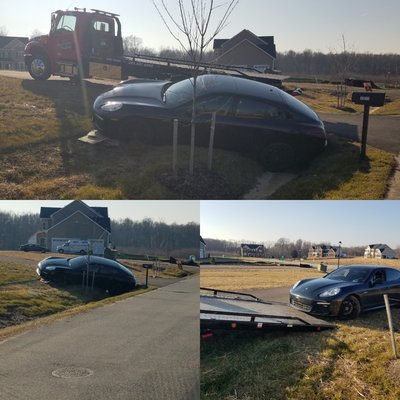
(347,291)
(104,273)
(251,117)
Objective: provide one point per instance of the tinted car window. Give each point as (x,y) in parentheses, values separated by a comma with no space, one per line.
(219,104)
(254,109)
(349,274)
(392,275)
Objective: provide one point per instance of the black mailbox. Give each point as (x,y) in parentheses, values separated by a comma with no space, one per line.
(148,266)
(368,98)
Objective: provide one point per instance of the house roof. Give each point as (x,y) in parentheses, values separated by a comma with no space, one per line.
(202,240)
(4,40)
(101,217)
(265,43)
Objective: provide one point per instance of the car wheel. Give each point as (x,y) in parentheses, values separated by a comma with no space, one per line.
(39,67)
(278,156)
(350,308)
(61,251)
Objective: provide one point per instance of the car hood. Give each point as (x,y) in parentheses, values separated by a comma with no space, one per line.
(54,261)
(316,286)
(136,91)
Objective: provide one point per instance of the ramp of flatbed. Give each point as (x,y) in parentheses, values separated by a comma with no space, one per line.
(221,309)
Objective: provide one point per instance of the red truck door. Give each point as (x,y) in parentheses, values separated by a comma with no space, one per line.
(63,42)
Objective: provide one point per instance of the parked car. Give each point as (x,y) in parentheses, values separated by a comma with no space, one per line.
(347,291)
(251,117)
(108,274)
(32,247)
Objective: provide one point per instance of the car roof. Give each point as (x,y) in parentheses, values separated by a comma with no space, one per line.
(213,83)
(367,266)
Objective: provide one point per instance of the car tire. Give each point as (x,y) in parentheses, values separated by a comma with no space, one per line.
(39,66)
(278,156)
(61,251)
(350,308)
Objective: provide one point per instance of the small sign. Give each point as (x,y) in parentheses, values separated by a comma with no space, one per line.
(147,266)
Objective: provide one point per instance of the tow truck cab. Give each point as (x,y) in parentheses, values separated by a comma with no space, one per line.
(80,44)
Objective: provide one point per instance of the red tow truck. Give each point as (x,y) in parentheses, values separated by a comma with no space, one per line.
(83,44)
(80,44)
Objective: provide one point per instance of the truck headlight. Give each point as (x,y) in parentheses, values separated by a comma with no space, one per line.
(111,106)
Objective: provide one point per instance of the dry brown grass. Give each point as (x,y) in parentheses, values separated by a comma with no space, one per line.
(246,278)
(322,98)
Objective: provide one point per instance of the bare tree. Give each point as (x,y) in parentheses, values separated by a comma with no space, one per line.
(132,44)
(191,29)
(3,31)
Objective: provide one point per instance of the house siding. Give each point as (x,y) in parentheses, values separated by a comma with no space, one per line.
(70,209)
(245,54)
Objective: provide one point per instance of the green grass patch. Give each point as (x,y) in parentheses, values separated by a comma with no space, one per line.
(349,363)
(13,273)
(339,174)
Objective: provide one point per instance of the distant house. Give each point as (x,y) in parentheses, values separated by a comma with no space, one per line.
(12,52)
(379,251)
(321,251)
(252,250)
(246,50)
(76,221)
(203,248)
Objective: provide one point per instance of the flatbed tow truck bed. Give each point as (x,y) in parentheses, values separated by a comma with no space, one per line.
(221,309)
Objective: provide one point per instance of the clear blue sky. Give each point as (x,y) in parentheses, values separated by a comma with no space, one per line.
(368,25)
(168,211)
(354,223)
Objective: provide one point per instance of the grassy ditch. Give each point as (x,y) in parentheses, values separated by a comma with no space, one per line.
(24,298)
(42,158)
(351,362)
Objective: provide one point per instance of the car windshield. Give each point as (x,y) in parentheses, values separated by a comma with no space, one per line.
(297,106)
(358,274)
(178,93)
(76,262)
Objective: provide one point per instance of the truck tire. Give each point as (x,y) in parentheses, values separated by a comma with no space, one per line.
(39,67)
(60,251)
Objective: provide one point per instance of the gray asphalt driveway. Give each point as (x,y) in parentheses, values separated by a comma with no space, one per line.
(383,131)
(146,347)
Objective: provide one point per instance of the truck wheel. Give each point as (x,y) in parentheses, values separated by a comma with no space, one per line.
(60,251)
(39,67)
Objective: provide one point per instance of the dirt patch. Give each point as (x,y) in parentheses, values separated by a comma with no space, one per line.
(200,185)
(13,319)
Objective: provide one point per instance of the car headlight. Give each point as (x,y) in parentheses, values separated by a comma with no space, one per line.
(111,106)
(330,292)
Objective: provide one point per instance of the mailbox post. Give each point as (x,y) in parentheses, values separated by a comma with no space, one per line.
(367,99)
(147,267)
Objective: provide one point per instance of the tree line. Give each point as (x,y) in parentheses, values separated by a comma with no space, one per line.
(332,64)
(146,236)
(283,247)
